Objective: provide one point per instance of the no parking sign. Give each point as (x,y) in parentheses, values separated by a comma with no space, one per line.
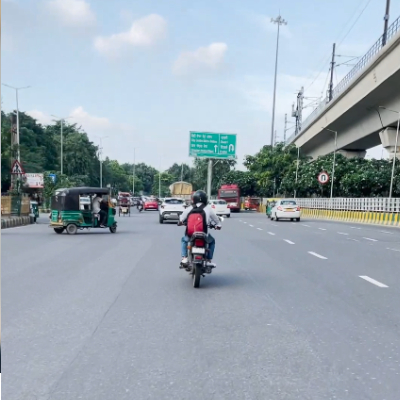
(323,178)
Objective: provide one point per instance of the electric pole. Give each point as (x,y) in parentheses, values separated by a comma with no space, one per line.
(332,68)
(386,23)
(279,21)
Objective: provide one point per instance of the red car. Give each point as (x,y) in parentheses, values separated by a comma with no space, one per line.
(150,204)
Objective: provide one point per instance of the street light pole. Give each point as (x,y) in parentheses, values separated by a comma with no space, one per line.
(100,158)
(18,157)
(61,141)
(395,149)
(134,163)
(334,158)
(297,170)
(279,21)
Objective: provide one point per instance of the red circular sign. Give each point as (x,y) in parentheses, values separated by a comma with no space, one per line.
(323,178)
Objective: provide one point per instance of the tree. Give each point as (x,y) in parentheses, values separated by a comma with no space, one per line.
(246,181)
(220,169)
(166,180)
(176,171)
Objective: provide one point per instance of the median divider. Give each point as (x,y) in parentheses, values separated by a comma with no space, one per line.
(362,217)
(12,222)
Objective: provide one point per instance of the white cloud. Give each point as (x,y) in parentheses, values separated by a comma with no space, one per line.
(204,59)
(144,32)
(73,13)
(41,117)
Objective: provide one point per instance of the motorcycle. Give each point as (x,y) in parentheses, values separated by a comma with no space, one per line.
(197,265)
(140,207)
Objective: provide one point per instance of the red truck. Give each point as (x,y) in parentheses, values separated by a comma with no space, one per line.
(231,194)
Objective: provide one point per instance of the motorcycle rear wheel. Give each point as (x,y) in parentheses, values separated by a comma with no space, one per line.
(196,275)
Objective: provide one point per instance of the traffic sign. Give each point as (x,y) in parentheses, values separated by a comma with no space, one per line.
(212,145)
(17,168)
(323,178)
(53,177)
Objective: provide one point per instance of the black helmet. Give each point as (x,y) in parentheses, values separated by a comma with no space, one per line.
(200,197)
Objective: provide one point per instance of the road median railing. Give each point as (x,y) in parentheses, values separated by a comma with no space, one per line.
(15,211)
(378,211)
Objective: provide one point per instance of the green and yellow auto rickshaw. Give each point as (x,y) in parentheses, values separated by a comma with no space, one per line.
(270,205)
(71,209)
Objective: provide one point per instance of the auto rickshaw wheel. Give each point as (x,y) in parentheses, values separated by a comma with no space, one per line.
(59,230)
(72,229)
(113,229)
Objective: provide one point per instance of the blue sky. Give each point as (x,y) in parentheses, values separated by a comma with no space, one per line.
(145,73)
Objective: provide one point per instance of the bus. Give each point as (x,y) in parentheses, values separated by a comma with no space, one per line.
(231,194)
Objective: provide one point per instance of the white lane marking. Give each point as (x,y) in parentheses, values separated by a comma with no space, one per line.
(355,240)
(259,229)
(373,281)
(388,248)
(317,255)
(273,225)
(354,227)
(251,226)
(270,233)
(343,233)
(322,229)
(308,226)
(388,233)
(288,241)
(372,240)
(244,222)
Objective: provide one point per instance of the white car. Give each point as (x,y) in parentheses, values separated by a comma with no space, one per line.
(170,209)
(220,207)
(286,208)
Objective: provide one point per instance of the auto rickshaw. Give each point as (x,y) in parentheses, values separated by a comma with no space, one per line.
(34,209)
(69,213)
(270,205)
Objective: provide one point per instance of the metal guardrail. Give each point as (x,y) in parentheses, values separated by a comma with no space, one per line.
(380,204)
(352,75)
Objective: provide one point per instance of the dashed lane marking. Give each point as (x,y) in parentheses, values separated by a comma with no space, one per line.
(271,233)
(373,281)
(317,255)
(343,233)
(288,241)
(372,240)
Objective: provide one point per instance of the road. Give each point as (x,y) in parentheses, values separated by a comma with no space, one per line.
(305,310)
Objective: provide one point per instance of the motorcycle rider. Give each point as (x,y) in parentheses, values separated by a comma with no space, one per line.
(199,198)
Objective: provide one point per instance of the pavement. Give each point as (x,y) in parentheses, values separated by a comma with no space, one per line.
(306,310)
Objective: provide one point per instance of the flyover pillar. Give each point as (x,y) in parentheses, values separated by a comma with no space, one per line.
(388,139)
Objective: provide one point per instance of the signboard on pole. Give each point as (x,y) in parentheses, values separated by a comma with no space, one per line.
(17,169)
(212,145)
(323,178)
(34,181)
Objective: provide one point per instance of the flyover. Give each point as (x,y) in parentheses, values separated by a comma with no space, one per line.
(356,110)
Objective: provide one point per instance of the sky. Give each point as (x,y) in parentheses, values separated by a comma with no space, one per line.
(143,74)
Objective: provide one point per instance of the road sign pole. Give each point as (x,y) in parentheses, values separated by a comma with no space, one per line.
(209,177)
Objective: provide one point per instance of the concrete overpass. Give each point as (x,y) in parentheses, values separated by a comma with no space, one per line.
(354,112)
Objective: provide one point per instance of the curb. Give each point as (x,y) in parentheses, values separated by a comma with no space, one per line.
(16,221)
(369,217)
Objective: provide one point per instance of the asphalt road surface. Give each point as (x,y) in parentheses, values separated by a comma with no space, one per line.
(307,310)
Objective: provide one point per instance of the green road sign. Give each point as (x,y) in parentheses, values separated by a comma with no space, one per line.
(212,145)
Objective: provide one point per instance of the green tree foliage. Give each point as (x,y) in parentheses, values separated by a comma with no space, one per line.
(246,181)
(220,169)
(162,181)
(176,171)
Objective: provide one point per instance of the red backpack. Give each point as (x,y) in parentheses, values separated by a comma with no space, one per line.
(196,221)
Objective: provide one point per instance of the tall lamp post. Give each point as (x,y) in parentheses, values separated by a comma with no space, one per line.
(334,158)
(62,121)
(18,155)
(395,149)
(100,158)
(279,21)
(133,171)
